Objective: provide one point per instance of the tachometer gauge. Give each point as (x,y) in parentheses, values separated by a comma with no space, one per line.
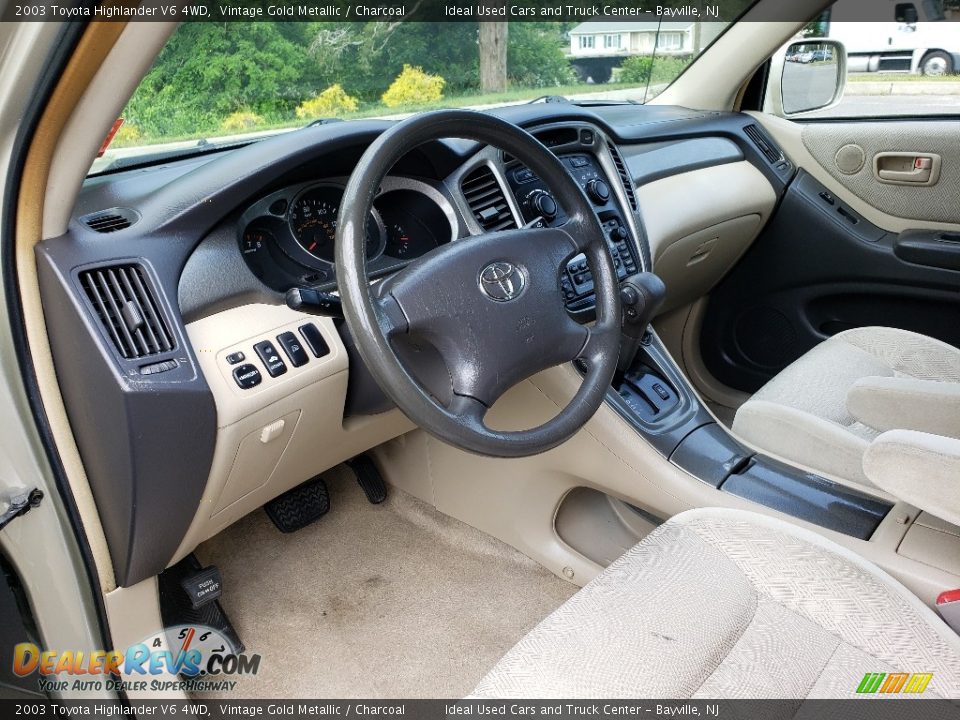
(407,236)
(398,241)
(313,221)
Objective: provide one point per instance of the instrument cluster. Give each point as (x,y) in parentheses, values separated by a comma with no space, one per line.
(288,238)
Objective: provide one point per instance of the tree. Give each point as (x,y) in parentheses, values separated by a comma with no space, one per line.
(493,57)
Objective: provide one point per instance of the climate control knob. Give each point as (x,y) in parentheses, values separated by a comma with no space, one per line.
(598,191)
(543,204)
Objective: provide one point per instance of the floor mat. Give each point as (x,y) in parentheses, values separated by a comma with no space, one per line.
(393,600)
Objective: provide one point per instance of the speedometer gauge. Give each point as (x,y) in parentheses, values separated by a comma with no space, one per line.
(313,222)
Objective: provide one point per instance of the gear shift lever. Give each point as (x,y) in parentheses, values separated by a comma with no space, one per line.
(641,295)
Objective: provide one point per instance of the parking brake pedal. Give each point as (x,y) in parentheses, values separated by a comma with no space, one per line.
(297,508)
(189,595)
(369,478)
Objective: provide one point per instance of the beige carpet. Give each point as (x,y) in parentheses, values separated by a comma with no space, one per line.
(393,600)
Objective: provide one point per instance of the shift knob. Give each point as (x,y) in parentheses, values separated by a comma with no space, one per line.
(641,295)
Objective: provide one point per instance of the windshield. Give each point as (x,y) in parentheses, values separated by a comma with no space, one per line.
(217,84)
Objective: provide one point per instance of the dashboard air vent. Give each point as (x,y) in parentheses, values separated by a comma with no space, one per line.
(624,175)
(124,303)
(486,200)
(764,143)
(108,221)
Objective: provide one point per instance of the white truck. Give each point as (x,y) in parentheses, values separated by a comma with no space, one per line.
(916,39)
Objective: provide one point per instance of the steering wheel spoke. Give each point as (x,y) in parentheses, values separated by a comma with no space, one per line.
(390,317)
(597,343)
(469,410)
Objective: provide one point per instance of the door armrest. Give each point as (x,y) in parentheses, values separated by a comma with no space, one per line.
(919,468)
(891,403)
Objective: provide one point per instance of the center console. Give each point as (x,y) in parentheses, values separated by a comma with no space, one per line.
(655,398)
(649,391)
(597,167)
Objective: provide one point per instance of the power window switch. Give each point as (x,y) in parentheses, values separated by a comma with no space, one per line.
(293,348)
(271,358)
(247,376)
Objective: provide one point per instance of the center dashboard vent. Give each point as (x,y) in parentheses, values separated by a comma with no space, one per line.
(625,178)
(108,221)
(487,201)
(764,143)
(124,303)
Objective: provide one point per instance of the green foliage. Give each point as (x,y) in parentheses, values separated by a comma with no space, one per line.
(640,69)
(210,70)
(414,87)
(332,102)
(372,54)
(128,134)
(215,77)
(636,69)
(535,56)
(241,121)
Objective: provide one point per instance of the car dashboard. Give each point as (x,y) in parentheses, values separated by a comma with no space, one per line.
(171,277)
(287,237)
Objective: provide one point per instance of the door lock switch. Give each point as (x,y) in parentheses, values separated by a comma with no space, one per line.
(271,358)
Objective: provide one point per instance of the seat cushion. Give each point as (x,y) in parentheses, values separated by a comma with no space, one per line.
(802,414)
(720,603)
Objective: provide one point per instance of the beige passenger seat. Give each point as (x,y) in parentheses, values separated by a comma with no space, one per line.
(824,410)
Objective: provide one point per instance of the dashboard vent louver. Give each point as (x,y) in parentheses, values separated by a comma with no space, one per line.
(124,303)
(486,200)
(764,143)
(108,221)
(624,175)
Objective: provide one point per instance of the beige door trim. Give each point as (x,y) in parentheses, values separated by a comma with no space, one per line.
(82,67)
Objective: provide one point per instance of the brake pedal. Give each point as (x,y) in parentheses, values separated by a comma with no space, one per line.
(297,508)
(369,478)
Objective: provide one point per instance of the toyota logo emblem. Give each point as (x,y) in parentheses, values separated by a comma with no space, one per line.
(502,281)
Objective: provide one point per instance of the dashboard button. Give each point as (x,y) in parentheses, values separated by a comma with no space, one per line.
(247,376)
(293,348)
(315,341)
(271,358)
(234,358)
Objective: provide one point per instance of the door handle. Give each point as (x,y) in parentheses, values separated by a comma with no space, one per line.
(907,168)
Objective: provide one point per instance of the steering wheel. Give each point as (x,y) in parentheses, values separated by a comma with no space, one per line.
(490,305)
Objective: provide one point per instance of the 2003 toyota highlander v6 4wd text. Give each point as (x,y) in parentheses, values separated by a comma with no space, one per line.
(558,373)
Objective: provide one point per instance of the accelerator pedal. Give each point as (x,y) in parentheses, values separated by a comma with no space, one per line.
(369,478)
(297,508)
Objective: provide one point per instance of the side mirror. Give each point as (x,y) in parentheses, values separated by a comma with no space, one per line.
(806,75)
